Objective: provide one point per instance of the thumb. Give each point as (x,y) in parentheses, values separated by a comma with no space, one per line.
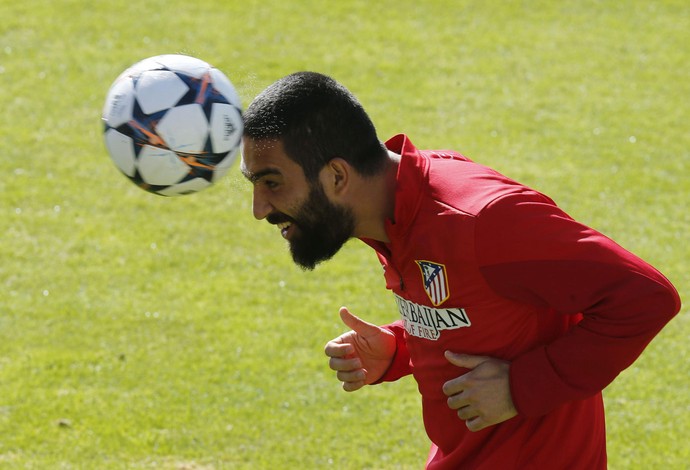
(464,360)
(355,323)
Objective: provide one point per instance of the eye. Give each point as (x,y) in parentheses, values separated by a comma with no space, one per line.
(271,184)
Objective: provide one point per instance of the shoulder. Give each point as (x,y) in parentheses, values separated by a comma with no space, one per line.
(458,182)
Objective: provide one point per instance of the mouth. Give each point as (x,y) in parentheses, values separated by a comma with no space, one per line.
(284,228)
(284,223)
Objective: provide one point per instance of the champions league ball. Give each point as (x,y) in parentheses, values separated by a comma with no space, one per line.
(173,124)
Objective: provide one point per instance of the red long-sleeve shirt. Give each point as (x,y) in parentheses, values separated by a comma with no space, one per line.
(480,264)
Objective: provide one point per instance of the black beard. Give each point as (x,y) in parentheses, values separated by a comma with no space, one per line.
(322,228)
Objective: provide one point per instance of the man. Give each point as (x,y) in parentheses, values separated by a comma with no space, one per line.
(514,316)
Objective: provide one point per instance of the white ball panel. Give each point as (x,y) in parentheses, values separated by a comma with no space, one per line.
(119,103)
(121,149)
(223,84)
(182,63)
(191,186)
(184,128)
(226,127)
(151,63)
(224,166)
(160,167)
(158,90)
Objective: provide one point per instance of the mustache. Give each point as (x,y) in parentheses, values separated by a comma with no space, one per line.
(279,218)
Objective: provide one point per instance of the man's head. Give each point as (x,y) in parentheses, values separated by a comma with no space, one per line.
(298,129)
(317,119)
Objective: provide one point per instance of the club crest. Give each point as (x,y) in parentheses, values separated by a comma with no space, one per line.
(435,281)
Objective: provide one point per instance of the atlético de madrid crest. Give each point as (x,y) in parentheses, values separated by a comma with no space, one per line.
(435,281)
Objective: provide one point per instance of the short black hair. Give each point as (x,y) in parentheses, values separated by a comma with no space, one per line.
(317,119)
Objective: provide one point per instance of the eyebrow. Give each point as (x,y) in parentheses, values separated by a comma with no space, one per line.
(254,177)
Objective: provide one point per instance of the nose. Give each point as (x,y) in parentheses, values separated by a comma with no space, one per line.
(260,205)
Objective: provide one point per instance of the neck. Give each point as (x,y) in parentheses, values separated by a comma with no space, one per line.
(375,201)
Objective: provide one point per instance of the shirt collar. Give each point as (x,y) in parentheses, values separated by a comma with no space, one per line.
(412,173)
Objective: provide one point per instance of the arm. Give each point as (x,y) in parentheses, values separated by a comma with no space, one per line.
(532,252)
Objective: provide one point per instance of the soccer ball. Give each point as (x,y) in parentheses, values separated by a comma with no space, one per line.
(173,124)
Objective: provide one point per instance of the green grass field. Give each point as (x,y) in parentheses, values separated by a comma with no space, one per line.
(144,332)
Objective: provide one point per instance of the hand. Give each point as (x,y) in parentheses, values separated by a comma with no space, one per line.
(361,356)
(482,395)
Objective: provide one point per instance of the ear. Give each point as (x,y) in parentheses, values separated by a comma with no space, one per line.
(335,177)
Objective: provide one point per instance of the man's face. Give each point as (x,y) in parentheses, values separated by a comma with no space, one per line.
(315,227)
